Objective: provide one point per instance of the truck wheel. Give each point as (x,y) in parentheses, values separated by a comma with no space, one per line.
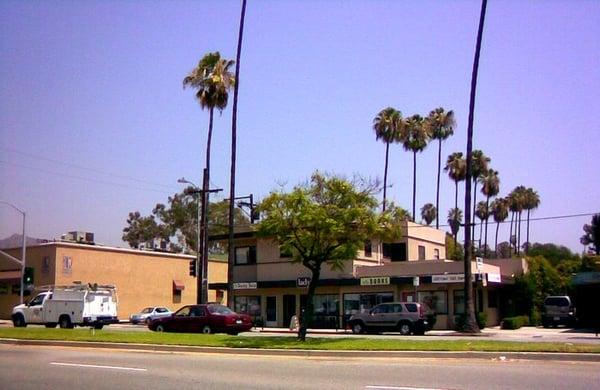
(50,325)
(65,322)
(404,328)
(19,321)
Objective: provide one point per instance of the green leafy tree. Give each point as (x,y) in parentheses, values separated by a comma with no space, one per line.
(177,222)
(415,138)
(456,166)
(453,250)
(490,187)
(592,234)
(324,221)
(428,213)
(388,125)
(440,124)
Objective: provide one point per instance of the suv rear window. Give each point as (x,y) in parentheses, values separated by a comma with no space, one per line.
(412,307)
(556,301)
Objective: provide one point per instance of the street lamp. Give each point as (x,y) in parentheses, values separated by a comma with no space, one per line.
(199,274)
(23,250)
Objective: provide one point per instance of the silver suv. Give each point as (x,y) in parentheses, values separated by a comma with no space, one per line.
(558,310)
(403,317)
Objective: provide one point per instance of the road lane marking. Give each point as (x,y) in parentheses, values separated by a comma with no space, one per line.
(374,387)
(97,366)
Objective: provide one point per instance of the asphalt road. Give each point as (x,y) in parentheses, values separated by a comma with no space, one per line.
(26,367)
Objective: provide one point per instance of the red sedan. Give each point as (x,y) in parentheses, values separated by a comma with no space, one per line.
(209,318)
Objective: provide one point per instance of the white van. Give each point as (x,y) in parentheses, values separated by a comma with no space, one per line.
(78,304)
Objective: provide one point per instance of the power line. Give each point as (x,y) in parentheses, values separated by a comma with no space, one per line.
(85,168)
(530,219)
(89,179)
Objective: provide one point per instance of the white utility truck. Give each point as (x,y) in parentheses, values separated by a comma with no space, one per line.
(78,304)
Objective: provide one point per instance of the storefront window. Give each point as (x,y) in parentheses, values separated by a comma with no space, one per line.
(326,310)
(434,301)
(248,305)
(361,303)
(459,301)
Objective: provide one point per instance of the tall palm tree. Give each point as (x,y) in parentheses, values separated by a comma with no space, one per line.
(531,202)
(387,125)
(212,80)
(481,212)
(454,220)
(230,245)
(456,166)
(520,197)
(440,125)
(428,213)
(499,209)
(479,167)
(414,139)
(490,186)
(517,200)
(470,321)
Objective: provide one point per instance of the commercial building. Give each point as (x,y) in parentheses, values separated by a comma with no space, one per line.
(142,277)
(271,288)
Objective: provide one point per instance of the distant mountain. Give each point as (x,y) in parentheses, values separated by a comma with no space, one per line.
(16,241)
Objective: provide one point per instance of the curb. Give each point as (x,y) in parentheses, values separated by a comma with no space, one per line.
(502,356)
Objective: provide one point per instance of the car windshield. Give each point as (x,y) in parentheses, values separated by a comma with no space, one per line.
(219,309)
(147,310)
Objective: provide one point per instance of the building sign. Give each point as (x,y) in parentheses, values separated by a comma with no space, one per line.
(244,286)
(375,281)
(494,278)
(303,281)
(416,281)
(449,278)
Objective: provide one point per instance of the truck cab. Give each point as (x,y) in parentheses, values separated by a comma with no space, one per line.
(31,312)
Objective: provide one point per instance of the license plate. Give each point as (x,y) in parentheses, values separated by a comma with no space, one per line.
(556,318)
(238,321)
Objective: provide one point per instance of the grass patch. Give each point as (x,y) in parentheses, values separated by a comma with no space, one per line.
(316,343)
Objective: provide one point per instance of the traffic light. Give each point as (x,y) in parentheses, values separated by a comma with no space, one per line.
(193,268)
(28,276)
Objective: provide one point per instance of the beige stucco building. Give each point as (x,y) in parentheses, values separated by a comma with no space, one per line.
(142,278)
(271,288)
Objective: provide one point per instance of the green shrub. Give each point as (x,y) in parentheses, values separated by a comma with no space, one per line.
(481,320)
(515,322)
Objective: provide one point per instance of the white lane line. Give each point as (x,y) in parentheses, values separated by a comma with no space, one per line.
(96,366)
(374,387)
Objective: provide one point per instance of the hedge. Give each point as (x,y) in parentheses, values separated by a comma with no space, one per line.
(515,322)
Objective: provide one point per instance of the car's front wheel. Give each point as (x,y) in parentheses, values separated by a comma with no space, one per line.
(160,328)
(358,328)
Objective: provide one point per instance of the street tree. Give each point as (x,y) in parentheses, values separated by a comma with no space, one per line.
(440,124)
(455,216)
(387,125)
(456,166)
(479,166)
(481,212)
(592,234)
(531,202)
(323,222)
(499,210)
(490,186)
(415,138)
(428,213)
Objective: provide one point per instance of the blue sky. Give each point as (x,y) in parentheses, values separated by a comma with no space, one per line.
(94,121)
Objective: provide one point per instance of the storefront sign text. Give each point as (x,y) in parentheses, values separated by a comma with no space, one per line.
(375,281)
(303,281)
(244,286)
(450,278)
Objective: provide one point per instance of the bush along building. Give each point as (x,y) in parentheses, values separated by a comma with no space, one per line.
(271,288)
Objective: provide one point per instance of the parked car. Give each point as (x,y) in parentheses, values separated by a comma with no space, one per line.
(558,310)
(208,318)
(149,313)
(403,317)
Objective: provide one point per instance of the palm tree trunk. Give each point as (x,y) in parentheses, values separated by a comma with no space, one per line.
(496,242)
(519,234)
(527,248)
(456,194)
(510,245)
(480,232)
(414,185)
(437,193)
(474,206)
(202,278)
(470,321)
(230,244)
(387,151)
(487,205)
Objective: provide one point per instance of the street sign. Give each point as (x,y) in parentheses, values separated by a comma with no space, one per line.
(416,281)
